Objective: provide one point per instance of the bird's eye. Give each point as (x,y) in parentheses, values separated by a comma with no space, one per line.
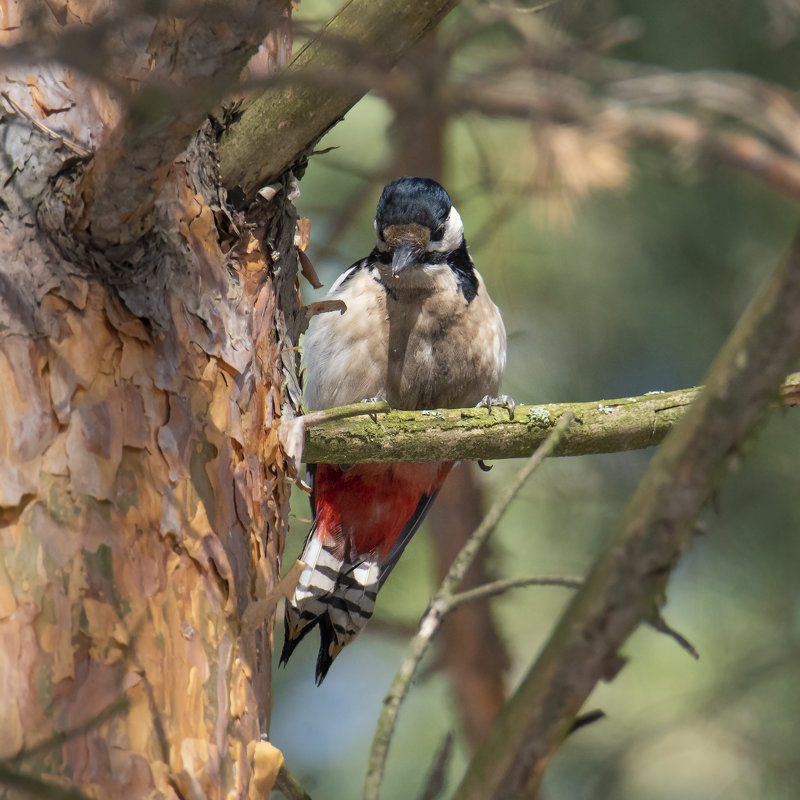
(438,234)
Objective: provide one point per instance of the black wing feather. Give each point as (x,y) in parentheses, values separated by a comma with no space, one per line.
(405,535)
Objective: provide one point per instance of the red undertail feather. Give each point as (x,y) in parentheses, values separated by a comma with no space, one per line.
(365,507)
(365,515)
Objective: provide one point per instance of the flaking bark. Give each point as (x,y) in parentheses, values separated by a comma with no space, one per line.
(143,491)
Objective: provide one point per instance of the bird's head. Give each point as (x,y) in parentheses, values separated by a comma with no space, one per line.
(415,218)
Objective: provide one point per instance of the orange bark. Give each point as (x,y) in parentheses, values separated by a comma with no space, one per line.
(143,489)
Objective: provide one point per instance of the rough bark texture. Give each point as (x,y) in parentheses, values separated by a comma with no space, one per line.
(143,491)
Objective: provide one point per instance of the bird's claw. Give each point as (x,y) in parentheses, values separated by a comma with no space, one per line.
(501,401)
(373,416)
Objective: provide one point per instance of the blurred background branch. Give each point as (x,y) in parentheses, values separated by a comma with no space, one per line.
(602,158)
(621,169)
(629,579)
(443,602)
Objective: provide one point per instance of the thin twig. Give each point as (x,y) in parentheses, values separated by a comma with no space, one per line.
(501,586)
(657,622)
(439,607)
(76,148)
(366,408)
(464,559)
(116,708)
(289,786)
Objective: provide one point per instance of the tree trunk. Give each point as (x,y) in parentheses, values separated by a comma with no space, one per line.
(143,371)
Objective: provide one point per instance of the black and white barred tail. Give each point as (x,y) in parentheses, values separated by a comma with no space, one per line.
(337,594)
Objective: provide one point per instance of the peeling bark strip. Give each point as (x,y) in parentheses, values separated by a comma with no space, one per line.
(143,490)
(628,581)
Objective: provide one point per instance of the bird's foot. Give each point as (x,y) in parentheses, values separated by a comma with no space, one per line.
(373,416)
(501,401)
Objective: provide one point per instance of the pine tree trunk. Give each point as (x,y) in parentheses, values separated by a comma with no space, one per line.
(144,368)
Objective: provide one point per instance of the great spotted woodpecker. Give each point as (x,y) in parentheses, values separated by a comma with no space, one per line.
(420,332)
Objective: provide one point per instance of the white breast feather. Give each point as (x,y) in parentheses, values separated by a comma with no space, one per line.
(345,353)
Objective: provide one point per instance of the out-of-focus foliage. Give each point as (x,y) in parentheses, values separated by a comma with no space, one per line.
(637,294)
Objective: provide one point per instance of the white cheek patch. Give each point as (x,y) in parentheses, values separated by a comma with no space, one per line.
(382,246)
(453,234)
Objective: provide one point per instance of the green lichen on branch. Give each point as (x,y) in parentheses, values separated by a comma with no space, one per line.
(605,426)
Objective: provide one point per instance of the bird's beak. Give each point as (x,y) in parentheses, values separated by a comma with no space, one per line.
(404,255)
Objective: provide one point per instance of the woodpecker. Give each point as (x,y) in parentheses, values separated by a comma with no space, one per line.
(419,331)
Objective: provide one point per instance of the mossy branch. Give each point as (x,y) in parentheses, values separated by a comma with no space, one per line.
(361,433)
(277,128)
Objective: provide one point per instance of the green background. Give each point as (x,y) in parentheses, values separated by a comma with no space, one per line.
(637,294)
